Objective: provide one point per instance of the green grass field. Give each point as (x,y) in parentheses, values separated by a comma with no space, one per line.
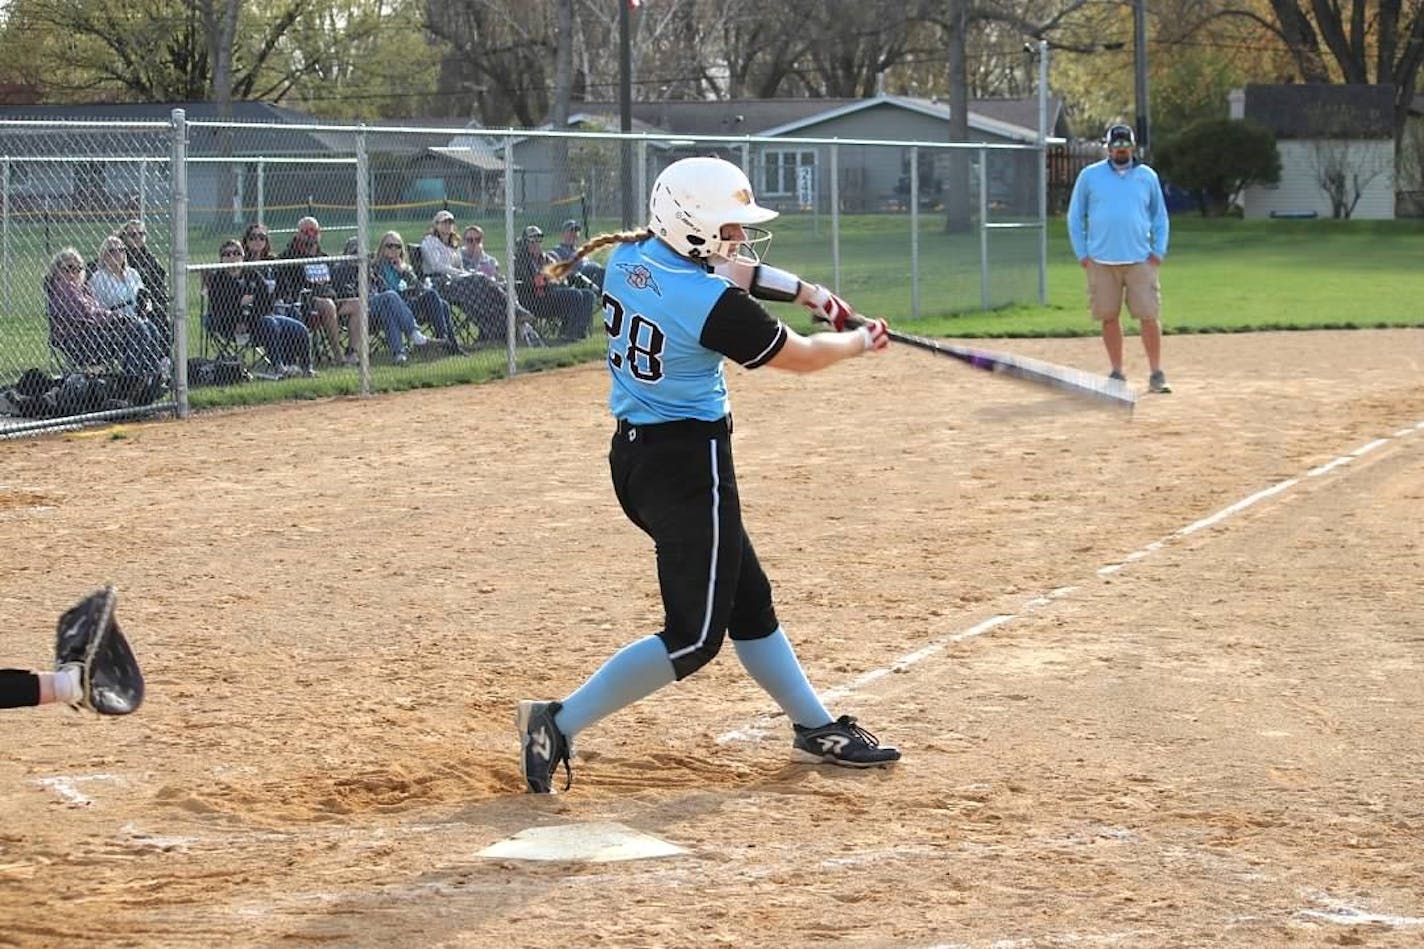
(1233,276)
(1220,276)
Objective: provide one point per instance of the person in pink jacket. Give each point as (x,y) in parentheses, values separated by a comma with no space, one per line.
(88,332)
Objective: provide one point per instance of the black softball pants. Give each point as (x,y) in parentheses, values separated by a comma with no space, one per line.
(676,482)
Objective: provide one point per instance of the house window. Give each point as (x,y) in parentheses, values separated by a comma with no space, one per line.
(779,169)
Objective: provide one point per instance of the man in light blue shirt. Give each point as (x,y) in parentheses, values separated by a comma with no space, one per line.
(1117,221)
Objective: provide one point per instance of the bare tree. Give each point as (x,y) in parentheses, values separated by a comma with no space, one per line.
(852,43)
(502,51)
(1409,181)
(563,86)
(1368,41)
(1344,170)
(955,19)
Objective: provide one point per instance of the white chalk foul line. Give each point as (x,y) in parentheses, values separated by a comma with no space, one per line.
(760,727)
(67,786)
(1346,915)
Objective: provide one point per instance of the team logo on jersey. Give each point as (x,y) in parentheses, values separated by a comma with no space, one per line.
(639,277)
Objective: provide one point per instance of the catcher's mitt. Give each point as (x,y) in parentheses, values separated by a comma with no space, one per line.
(89,638)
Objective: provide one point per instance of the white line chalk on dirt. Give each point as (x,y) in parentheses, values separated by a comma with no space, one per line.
(761,727)
(1336,911)
(67,786)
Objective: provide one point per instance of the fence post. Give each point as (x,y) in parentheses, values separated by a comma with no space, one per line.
(262,192)
(178,310)
(642,195)
(836,216)
(5,231)
(1043,172)
(983,229)
(363,269)
(914,232)
(510,283)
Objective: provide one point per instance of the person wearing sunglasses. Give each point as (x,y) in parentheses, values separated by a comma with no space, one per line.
(240,301)
(474,256)
(298,282)
(568,308)
(134,234)
(481,299)
(90,333)
(117,285)
(387,308)
(391,272)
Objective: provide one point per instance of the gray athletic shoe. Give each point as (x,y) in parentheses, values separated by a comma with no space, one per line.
(1117,376)
(544,746)
(843,743)
(1157,382)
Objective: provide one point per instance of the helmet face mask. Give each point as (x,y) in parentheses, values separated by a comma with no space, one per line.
(695,198)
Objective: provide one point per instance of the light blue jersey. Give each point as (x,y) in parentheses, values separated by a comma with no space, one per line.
(670,323)
(1117,217)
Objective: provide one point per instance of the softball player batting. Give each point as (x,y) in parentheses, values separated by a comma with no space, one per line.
(678,299)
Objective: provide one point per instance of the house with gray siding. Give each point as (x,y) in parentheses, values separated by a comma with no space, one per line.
(102,168)
(871,177)
(1328,136)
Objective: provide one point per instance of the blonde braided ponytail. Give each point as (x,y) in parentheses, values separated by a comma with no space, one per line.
(562,268)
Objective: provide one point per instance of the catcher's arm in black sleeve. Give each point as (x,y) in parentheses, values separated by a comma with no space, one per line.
(94,666)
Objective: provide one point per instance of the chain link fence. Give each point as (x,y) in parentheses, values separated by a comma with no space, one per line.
(154,267)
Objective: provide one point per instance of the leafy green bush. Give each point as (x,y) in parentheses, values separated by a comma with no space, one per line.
(1218,159)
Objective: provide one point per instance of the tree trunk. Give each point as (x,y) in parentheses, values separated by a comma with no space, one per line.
(959,193)
(220,25)
(563,88)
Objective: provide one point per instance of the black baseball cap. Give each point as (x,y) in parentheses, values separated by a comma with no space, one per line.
(572,225)
(1120,136)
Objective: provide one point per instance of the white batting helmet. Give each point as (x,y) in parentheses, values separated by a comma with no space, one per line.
(693,198)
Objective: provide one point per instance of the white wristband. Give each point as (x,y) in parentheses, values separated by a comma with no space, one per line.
(867,338)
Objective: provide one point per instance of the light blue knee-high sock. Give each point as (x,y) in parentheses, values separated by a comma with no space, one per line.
(637,670)
(773,664)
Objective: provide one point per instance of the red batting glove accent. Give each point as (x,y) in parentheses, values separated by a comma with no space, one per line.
(875,334)
(828,308)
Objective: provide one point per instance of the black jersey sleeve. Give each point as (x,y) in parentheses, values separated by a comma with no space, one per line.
(741,329)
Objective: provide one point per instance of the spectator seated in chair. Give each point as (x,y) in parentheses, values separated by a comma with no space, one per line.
(315,280)
(570,309)
(89,333)
(387,306)
(391,272)
(474,257)
(155,279)
(586,273)
(482,299)
(118,286)
(241,303)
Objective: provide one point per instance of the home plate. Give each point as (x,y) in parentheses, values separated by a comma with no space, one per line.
(592,842)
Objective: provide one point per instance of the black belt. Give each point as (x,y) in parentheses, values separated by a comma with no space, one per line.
(684,428)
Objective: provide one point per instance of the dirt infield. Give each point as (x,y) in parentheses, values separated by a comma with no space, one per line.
(1121,726)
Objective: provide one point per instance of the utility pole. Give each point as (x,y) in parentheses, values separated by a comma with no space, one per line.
(1139,61)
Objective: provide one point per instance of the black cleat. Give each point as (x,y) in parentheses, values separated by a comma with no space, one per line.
(544,746)
(843,743)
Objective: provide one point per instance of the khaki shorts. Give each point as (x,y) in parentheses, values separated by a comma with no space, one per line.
(1108,284)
